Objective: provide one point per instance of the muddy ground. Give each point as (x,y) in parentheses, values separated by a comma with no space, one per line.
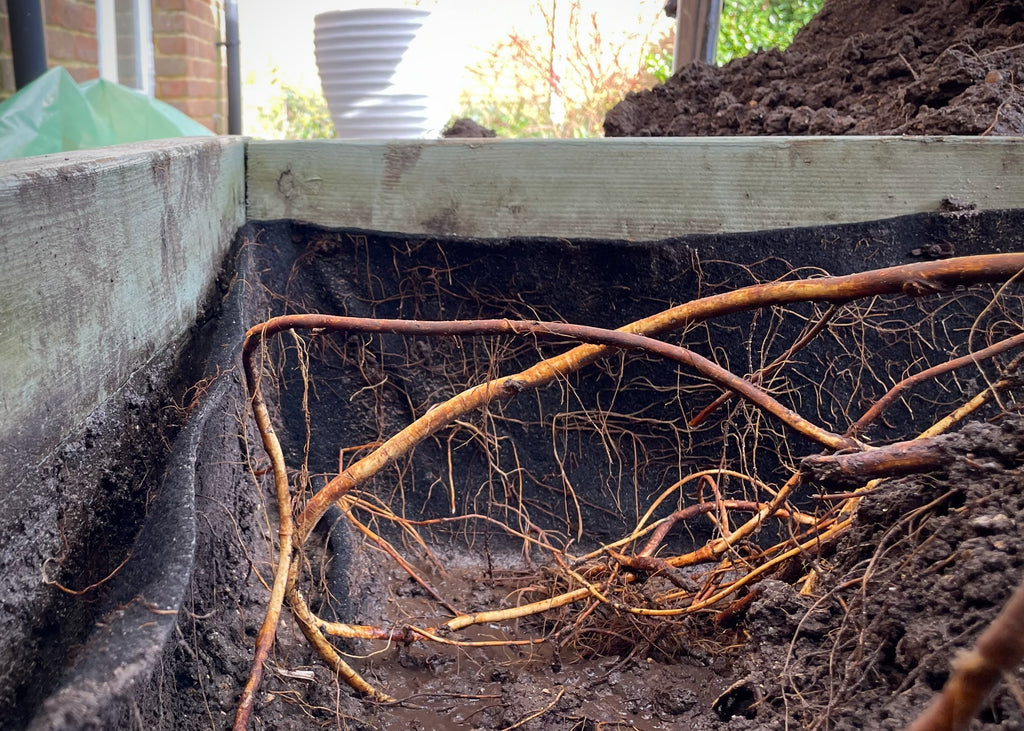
(927,564)
(952,67)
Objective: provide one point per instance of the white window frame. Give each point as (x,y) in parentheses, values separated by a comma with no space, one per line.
(106,40)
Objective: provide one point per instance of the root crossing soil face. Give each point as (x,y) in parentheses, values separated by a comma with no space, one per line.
(905,67)
(932,560)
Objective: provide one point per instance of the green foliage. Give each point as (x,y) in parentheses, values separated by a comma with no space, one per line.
(756,25)
(508,117)
(294,114)
(659,56)
(563,82)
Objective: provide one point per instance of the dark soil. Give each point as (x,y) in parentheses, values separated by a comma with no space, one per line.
(97,488)
(928,563)
(904,67)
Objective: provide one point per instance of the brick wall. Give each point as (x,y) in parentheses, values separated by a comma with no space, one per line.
(188,61)
(189,64)
(71,37)
(6,64)
(70,27)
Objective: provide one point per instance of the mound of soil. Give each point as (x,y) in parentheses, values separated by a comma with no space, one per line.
(951,67)
(930,562)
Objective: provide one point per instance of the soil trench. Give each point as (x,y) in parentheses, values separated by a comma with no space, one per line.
(859,633)
(867,641)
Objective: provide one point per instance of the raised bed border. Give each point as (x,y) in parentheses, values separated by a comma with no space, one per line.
(633,188)
(111,255)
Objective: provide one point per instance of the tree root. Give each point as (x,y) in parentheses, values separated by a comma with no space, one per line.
(597,576)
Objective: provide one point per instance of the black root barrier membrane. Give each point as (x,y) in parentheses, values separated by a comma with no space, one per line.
(171,477)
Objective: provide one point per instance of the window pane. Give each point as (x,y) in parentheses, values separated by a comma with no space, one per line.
(124,14)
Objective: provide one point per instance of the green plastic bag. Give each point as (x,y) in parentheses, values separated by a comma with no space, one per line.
(54,114)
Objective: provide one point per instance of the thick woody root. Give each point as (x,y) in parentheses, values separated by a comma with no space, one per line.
(607,577)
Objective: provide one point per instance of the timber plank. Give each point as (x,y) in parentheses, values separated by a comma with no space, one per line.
(108,256)
(625,188)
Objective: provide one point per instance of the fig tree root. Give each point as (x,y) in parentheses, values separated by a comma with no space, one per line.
(609,576)
(901,458)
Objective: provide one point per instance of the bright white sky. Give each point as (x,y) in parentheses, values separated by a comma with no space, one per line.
(276,35)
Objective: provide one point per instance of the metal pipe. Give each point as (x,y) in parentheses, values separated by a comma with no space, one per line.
(28,40)
(231,44)
(697,24)
(714,22)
